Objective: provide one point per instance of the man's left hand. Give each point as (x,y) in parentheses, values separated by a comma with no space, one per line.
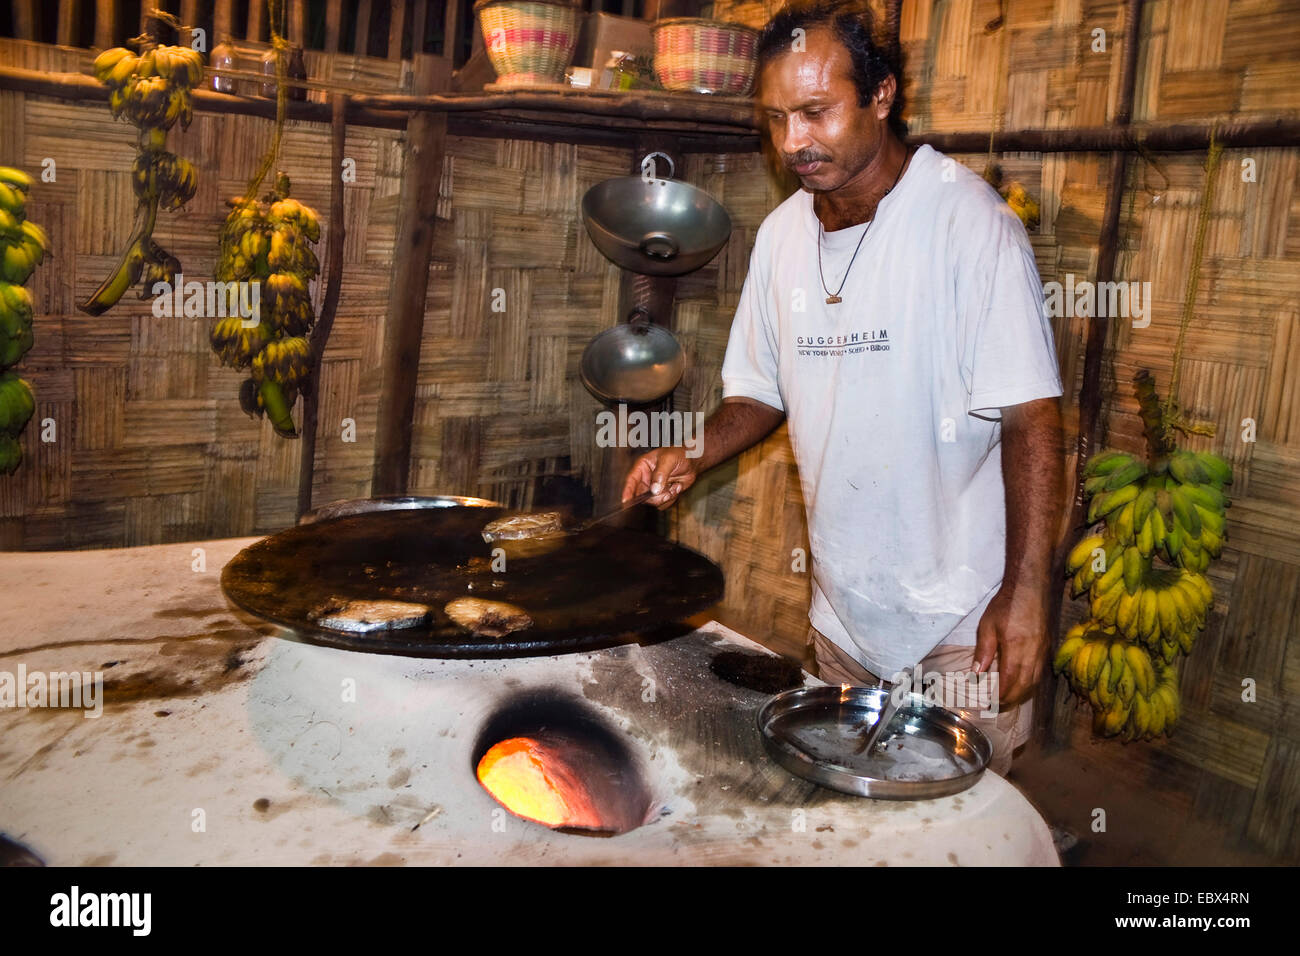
(1014,629)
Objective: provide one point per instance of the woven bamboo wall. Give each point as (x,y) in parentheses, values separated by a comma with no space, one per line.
(1235,764)
(151,444)
(499,403)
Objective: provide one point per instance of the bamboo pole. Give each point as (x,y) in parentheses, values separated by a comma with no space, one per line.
(419,24)
(396,21)
(67,21)
(298,23)
(104,12)
(413,251)
(25,19)
(223,21)
(333,19)
(450,24)
(329,305)
(76,87)
(362,32)
(1057,730)
(253,29)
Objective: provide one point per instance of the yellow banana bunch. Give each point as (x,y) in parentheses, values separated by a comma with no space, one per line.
(302,217)
(1022,204)
(1142,616)
(1156,709)
(237,345)
(286,361)
(177,180)
(152,90)
(269,242)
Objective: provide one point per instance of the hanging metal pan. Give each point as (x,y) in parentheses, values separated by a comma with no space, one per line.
(655,227)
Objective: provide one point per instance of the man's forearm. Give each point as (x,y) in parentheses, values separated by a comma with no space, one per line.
(1033,472)
(739,423)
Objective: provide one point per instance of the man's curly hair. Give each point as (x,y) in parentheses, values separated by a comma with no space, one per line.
(852,24)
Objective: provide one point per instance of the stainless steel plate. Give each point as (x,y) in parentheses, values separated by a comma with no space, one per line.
(927,751)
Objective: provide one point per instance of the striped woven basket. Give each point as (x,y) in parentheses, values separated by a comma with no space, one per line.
(705,56)
(529,41)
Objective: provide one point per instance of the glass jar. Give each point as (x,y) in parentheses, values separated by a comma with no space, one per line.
(268,70)
(220,62)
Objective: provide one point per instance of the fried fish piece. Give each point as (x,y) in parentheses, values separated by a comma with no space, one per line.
(342,614)
(488,618)
(536,524)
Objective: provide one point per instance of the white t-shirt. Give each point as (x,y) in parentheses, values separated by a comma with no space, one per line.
(893,399)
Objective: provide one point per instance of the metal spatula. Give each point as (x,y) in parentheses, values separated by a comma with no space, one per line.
(891,706)
(491,533)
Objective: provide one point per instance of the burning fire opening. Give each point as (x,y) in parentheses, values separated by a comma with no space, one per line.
(549,761)
(533,779)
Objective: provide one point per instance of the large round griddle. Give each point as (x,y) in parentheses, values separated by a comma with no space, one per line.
(599,587)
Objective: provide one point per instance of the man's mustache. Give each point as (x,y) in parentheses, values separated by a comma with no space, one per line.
(804,157)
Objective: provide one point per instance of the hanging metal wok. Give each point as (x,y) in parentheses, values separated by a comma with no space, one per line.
(601,587)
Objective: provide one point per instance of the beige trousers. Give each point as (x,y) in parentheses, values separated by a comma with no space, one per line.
(1007,730)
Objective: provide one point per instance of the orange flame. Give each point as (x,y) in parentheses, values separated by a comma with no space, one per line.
(535,781)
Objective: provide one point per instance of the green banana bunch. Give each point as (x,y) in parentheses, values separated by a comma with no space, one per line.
(16,409)
(1195,519)
(23,244)
(16,403)
(269,242)
(16,335)
(271,399)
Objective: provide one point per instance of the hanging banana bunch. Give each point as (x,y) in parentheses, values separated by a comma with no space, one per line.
(153,91)
(1143,615)
(1015,194)
(22,248)
(269,242)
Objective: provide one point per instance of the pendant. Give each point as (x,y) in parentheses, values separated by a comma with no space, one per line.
(833,299)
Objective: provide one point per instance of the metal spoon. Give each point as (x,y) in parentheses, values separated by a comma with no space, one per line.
(887,710)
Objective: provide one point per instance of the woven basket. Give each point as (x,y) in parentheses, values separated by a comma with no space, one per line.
(529,41)
(705,56)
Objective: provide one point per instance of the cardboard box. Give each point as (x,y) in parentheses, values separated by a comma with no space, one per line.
(603,33)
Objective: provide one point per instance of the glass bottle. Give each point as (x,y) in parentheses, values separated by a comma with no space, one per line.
(297,70)
(221,61)
(268,70)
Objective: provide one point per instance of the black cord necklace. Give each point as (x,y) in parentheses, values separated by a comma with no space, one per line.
(833,298)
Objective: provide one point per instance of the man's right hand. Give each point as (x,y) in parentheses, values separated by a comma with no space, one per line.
(665,471)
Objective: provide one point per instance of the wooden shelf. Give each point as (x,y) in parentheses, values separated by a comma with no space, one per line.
(700,122)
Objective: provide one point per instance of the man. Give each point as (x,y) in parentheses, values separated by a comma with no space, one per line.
(893,315)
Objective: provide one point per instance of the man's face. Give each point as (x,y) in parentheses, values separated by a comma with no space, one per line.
(811,106)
